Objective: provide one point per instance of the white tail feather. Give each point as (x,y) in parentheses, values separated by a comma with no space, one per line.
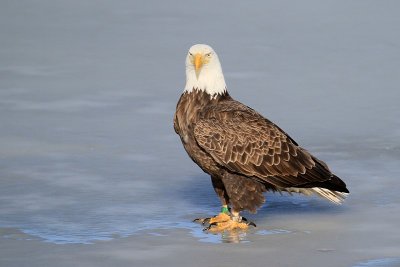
(333,196)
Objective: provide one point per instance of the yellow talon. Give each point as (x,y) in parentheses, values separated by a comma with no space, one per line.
(222,217)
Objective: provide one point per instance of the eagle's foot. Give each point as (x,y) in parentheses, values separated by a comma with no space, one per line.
(222,217)
(233,223)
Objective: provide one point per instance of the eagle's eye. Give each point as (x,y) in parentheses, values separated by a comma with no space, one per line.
(208,55)
(190,54)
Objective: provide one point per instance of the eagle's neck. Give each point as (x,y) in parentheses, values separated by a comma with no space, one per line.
(198,99)
(210,80)
(192,104)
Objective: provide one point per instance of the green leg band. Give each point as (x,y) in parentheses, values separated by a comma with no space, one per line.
(225,209)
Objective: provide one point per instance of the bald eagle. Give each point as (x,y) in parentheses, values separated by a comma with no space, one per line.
(244,153)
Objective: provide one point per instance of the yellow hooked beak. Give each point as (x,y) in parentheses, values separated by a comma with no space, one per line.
(198,63)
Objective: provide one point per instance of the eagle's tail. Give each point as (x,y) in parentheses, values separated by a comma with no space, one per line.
(331,195)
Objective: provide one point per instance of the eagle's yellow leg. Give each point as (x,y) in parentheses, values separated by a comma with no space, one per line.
(223,216)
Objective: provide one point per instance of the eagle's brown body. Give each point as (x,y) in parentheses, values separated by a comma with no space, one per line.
(246,154)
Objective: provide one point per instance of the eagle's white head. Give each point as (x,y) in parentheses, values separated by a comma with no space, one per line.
(203,71)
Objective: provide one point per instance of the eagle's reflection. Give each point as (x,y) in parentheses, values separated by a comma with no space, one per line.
(234,236)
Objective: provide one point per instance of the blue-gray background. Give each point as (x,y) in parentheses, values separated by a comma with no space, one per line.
(88,90)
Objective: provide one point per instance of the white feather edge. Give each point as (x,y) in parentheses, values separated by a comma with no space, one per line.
(333,196)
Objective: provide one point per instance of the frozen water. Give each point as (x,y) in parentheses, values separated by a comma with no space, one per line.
(88,90)
(387,262)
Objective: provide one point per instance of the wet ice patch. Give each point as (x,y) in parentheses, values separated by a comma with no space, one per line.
(217,238)
(384,262)
(234,236)
(273,232)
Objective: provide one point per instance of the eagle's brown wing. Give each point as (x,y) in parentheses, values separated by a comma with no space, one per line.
(244,142)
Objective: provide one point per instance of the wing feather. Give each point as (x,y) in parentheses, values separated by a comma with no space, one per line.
(246,143)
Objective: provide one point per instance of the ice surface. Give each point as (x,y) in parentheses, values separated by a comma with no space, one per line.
(387,262)
(87,150)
